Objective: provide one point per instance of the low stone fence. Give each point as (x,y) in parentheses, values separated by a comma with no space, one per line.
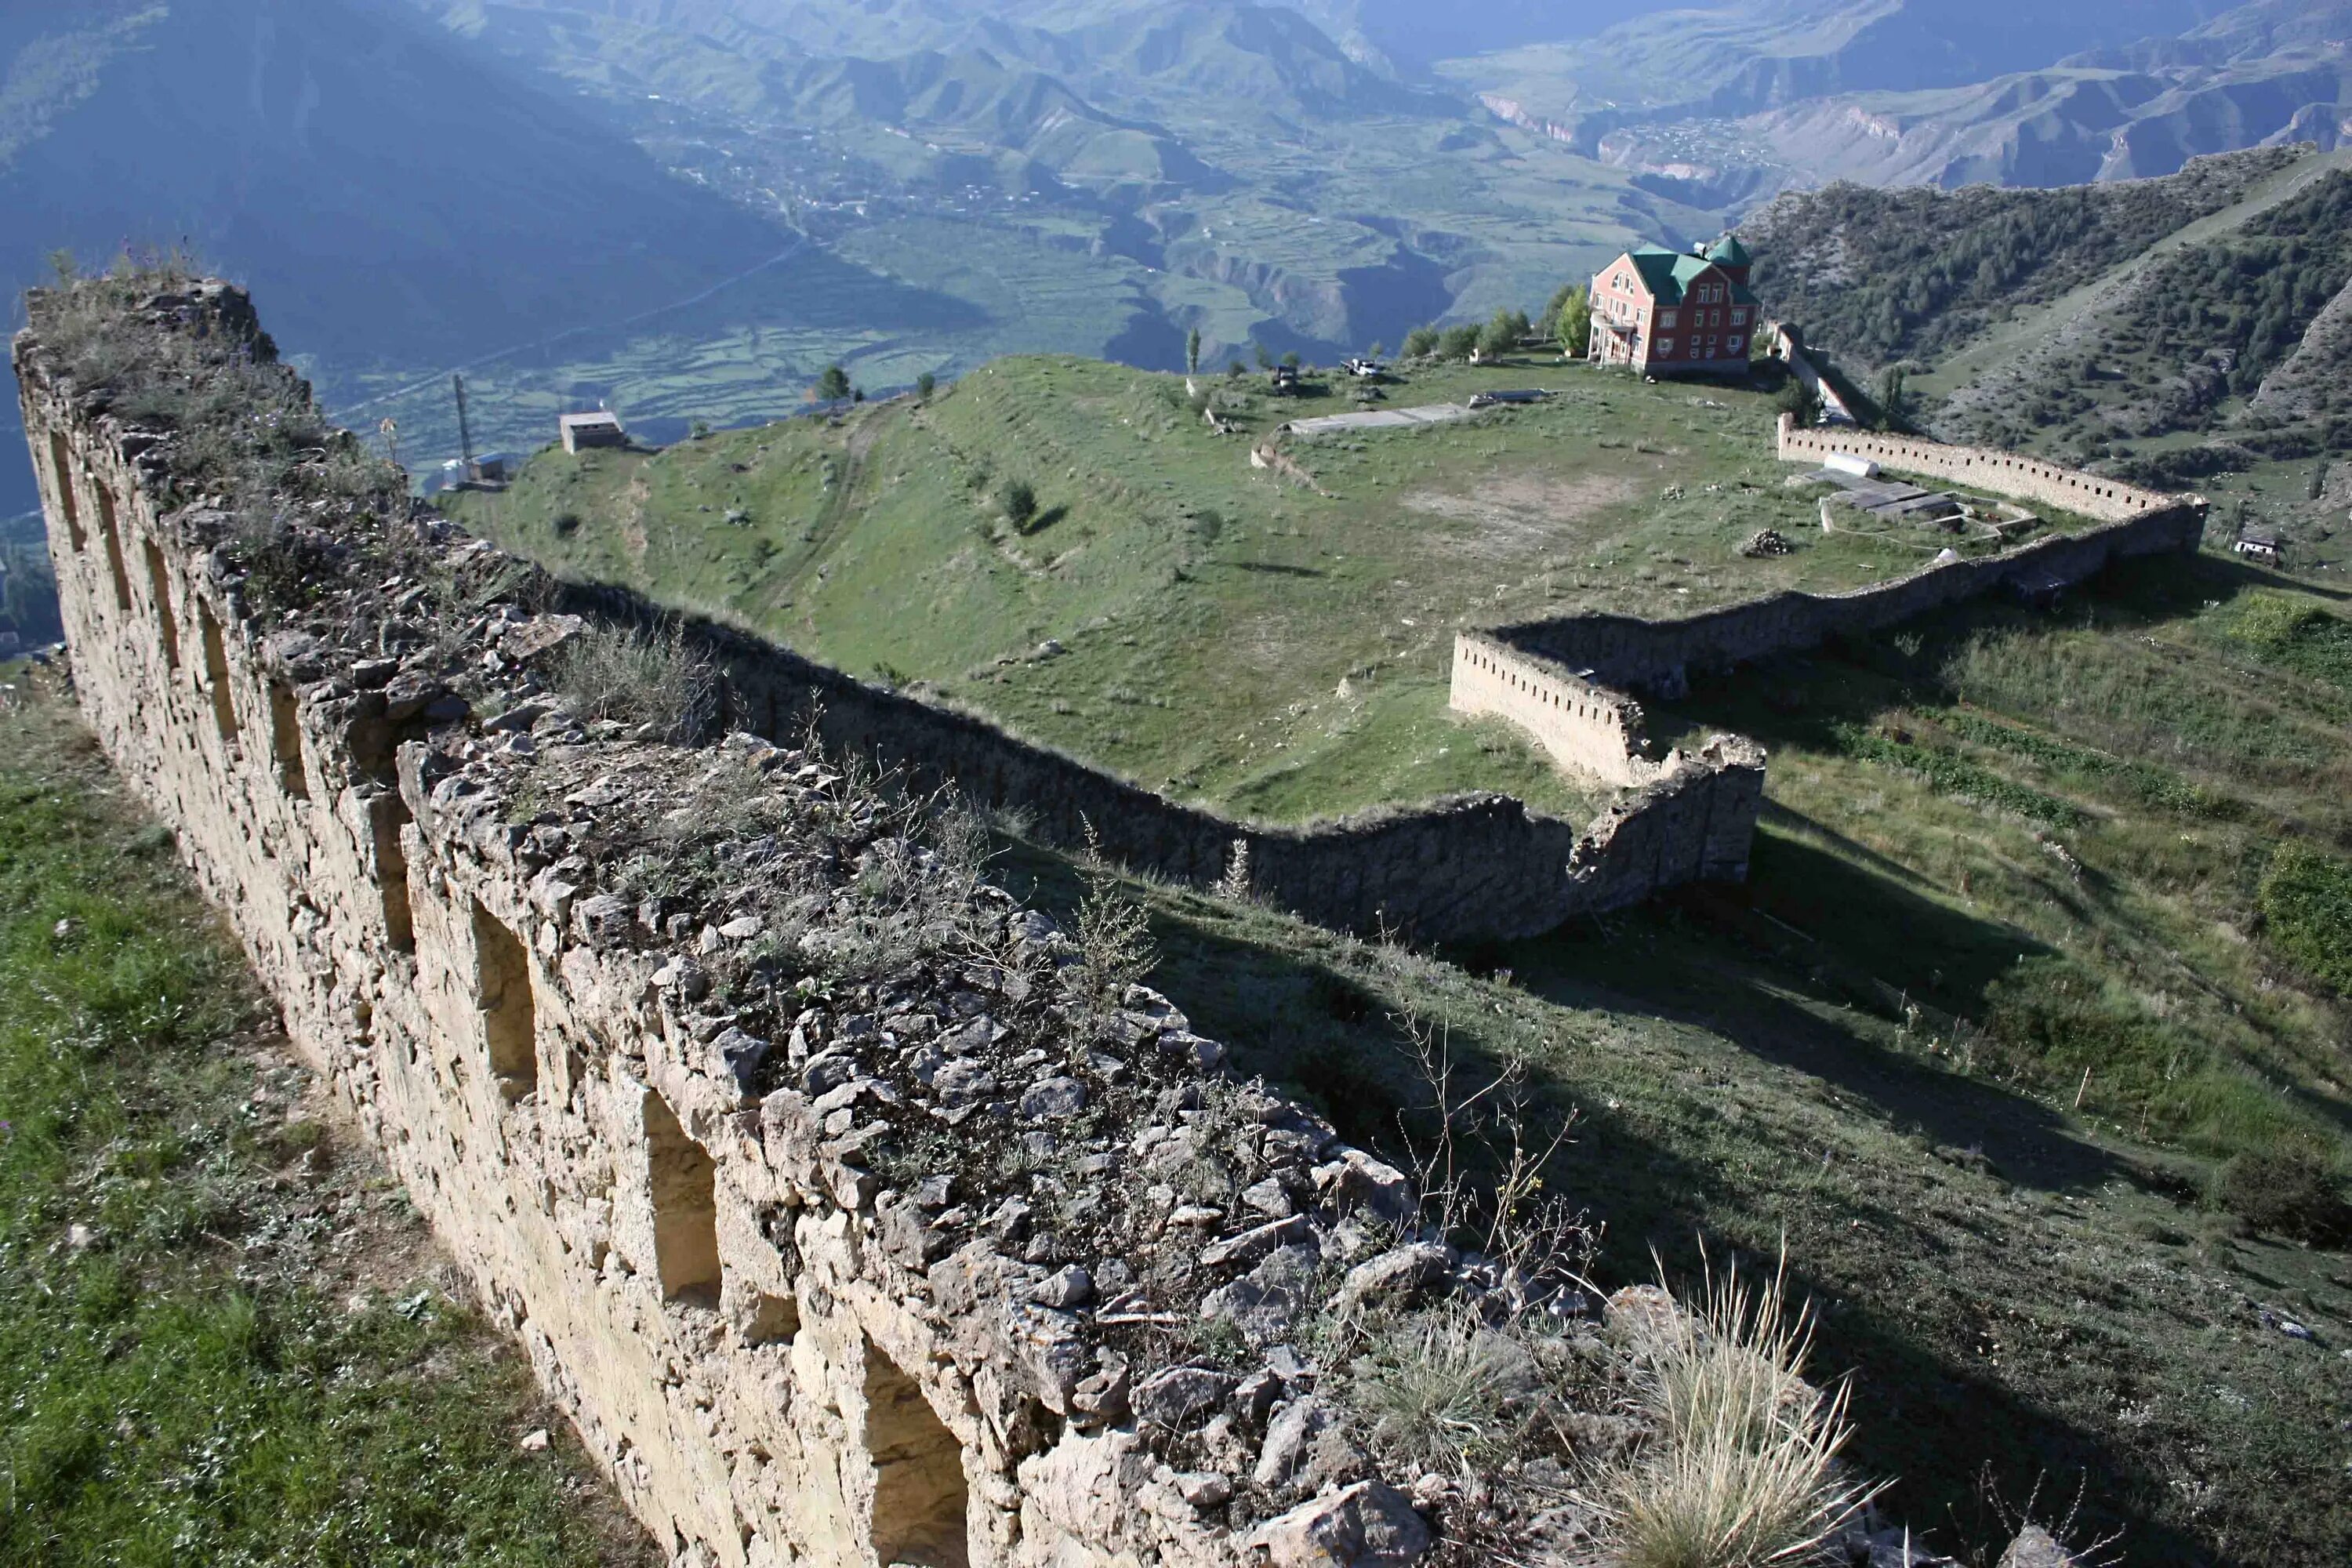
(1658,657)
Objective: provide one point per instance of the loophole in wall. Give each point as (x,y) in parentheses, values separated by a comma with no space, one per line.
(217,671)
(286,740)
(160,581)
(921,1496)
(686,1208)
(509,1012)
(62,462)
(113,529)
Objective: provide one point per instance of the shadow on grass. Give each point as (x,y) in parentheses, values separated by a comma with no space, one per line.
(1271,569)
(1698,961)
(1310,1014)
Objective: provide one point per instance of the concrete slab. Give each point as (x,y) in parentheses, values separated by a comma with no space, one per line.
(1379,419)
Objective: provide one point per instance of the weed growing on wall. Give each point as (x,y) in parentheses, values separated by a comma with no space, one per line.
(646,679)
(1113,935)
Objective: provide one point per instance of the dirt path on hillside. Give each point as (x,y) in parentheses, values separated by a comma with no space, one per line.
(1996,369)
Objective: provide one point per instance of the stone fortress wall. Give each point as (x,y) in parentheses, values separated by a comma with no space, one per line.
(1997,473)
(780,1355)
(1473,866)
(1587,728)
(1627,653)
(761,1238)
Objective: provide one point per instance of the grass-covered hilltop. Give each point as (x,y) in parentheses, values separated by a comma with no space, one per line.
(1071,548)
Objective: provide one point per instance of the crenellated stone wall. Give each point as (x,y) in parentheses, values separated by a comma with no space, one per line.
(1465,868)
(856,1215)
(1980,468)
(1658,657)
(1586,728)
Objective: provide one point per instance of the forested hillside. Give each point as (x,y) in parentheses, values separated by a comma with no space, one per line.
(2221,319)
(1880,275)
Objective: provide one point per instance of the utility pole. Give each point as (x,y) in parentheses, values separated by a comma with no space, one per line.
(464,425)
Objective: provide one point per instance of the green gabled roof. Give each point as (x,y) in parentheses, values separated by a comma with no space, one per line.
(1728,252)
(1666,273)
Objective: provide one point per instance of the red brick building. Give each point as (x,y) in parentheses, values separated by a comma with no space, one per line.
(1671,312)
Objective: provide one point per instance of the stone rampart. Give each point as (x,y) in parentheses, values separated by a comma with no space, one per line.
(1471,868)
(1980,468)
(1625,651)
(1587,728)
(854,1218)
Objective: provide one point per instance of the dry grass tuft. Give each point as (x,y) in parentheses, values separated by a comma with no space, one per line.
(1744,1472)
(1446,1391)
(638,678)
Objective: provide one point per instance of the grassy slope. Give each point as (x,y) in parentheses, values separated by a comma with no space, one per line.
(1309,635)
(2030,327)
(222,1341)
(973,252)
(2099,793)
(2033,1297)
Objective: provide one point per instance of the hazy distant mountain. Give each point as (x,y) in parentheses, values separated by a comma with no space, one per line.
(395,197)
(1737,100)
(416,183)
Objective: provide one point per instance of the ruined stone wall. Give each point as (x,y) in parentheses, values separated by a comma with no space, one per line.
(1658,655)
(1979,467)
(1467,868)
(671,1184)
(1586,728)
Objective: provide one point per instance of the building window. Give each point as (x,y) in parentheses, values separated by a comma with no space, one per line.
(1665,348)
(1735,344)
(1666,318)
(1738,318)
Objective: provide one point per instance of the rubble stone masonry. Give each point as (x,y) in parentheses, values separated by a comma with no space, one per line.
(889,1263)
(1586,728)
